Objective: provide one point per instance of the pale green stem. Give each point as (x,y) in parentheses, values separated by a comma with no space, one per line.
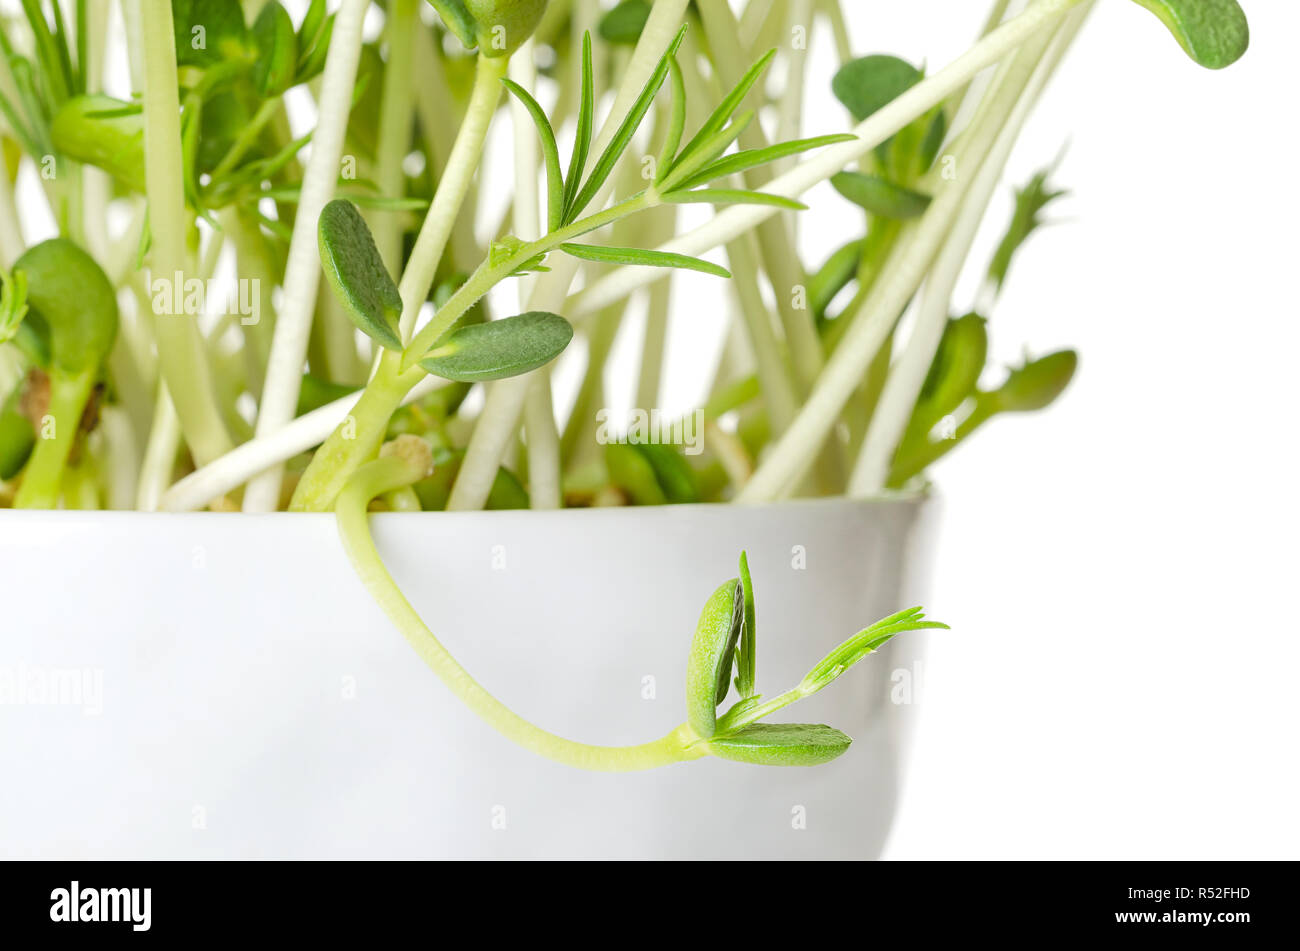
(839,29)
(1011,103)
(914,103)
(390,473)
(180,345)
(417,279)
(504,405)
(774,373)
(55,435)
(302,270)
(12,244)
(791,105)
(869,328)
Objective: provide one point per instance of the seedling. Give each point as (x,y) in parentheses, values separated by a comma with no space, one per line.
(852,377)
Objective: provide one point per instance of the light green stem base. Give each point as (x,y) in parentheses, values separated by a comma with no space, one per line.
(392,473)
(43,476)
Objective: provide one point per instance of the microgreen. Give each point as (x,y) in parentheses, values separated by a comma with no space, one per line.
(384,188)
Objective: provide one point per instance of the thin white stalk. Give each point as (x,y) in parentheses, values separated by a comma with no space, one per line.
(505,399)
(790,108)
(539,414)
(792,454)
(1012,106)
(160,454)
(918,100)
(839,29)
(121,459)
(235,468)
(302,270)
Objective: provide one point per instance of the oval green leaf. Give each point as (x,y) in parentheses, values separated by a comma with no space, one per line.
(357,275)
(879,197)
(623,24)
(1214,33)
(713,650)
(782,744)
(1038,383)
(277,50)
(869,84)
(500,348)
(70,304)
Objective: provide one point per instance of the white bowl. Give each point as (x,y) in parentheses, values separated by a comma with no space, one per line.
(204,686)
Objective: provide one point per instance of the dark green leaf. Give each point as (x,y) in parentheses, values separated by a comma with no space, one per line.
(277,51)
(781,744)
(673,472)
(879,197)
(869,84)
(708,668)
(676,122)
(722,115)
(499,348)
(642,258)
(752,158)
(17,438)
(312,21)
(1214,33)
(582,143)
(207,31)
(954,374)
(604,166)
(311,62)
(624,23)
(357,275)
(727,196)
(550,155)
(631,471)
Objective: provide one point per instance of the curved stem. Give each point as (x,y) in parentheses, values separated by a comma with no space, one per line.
(56,433)
(392,473)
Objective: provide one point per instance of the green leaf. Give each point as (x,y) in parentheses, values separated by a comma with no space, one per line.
(752,158)
(623,24)
(312,21)
(835,275)
(357,275)
(104,132)
(642,258)
(458,20)
(277,51)
(954,374)
(720,116)
(17,439)
(1025,220)
(867,85)
(1214,33)
(207,31)
(686,167)
(675,476)
(631,471)
(727,196)
(879,197)
(861,644)
(676,122)
(71,305)
(1037,384)
(13,303)
(604,166)
(582,143)
(499,348)
(781,744)
(746,652)
(311,62)
(708,668)
(550,154)
(507,491)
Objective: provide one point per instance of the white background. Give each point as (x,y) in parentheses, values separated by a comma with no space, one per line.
(1121,678)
